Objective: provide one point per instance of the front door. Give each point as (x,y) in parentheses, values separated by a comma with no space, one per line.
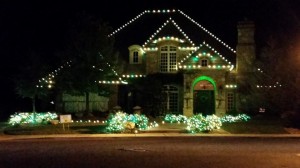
(204,98)
(204,102)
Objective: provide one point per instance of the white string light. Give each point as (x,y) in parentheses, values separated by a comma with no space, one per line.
(208,32)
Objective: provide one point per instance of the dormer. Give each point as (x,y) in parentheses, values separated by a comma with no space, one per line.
(135,54)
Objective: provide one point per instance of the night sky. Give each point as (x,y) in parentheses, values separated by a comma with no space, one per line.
(41,25)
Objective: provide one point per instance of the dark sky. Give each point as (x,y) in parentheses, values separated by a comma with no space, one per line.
(40,24)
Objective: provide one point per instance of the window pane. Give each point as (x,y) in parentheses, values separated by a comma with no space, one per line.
(230,101)
(135,57)
(168,59)
(204,62)
(164,62)
(171,104)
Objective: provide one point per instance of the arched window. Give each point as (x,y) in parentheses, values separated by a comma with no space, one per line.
(168,60)
(171,99)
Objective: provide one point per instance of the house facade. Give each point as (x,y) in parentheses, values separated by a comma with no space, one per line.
(175,67)
(193,77)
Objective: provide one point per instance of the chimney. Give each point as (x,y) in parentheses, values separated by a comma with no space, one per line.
(245,49)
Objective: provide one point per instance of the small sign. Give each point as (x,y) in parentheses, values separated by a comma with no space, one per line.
(262,110)
(65,118)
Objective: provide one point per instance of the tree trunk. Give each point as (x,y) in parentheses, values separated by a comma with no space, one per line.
(87,102)
(33,109)
(33,104)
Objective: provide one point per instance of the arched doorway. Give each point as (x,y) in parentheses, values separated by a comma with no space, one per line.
(204,96)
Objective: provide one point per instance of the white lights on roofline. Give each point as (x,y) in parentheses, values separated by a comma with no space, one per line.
(230,66)
(172,11)
(138,16)
(164,24)
(276,85)
(133,76)
(208,32)
(49,80)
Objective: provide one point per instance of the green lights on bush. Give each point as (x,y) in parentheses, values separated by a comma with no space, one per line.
(121,121)
(172,118)
(199,123)
(231,119)
(31,118)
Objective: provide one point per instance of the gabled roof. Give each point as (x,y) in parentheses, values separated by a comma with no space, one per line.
(191,61)
(112,76)
(141,28)
(169,30)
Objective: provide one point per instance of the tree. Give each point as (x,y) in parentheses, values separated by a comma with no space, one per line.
(92,54)
(280,57)
(27,81)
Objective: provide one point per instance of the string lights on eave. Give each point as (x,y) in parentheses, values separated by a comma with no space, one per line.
(230,66)
(129,22)
(160,28)
(133,76)
(119,81)
(276,85)
(49,80)
(208,32)
(140,15)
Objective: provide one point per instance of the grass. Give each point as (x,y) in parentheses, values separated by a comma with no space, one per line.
(256,125)
(49,129)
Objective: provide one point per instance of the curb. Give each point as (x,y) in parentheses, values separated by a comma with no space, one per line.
(139,135)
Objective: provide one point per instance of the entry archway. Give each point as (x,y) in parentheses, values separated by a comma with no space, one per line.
(204,89)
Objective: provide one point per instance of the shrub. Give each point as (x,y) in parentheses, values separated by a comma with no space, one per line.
(32,118)
(121,121)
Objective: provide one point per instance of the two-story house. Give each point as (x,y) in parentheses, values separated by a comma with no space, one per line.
(197,71)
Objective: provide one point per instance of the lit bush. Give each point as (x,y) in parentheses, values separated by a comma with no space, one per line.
(172,118)
(121,121)
(200,123)
(231,119)
(31,118)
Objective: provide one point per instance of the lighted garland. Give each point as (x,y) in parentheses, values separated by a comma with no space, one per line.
(172,118)
(200,123)
(231,119)
(31,118)
(119,122)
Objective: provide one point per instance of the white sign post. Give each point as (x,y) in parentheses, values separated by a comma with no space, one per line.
(65,119)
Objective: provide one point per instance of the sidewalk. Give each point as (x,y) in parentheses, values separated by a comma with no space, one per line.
(164,130)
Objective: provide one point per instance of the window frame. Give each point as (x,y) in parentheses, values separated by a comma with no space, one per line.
(168,58)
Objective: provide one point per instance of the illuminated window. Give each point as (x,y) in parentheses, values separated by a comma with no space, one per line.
(171,99)
(168,60)
(204,62)
(230,101)
(135,57)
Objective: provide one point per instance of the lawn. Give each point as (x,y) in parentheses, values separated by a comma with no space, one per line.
(256,125)
(72,128)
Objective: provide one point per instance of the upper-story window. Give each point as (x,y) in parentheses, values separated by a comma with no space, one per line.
(204,62)
(135,54)
(135,57)
(168,60)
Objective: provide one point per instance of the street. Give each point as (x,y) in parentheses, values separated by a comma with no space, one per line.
(231,152)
